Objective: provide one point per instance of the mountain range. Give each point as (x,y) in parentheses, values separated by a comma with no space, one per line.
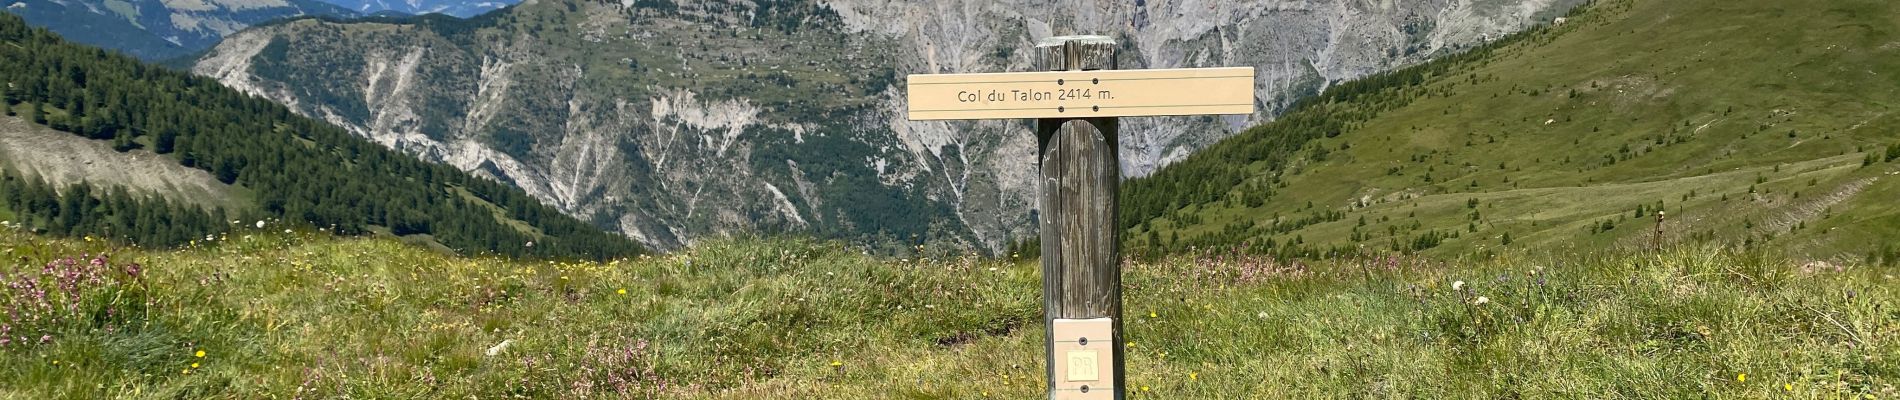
(456,8)
(670,122)
(160,29)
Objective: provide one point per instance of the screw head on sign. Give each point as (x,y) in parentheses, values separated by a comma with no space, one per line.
(1061,109)
(1097,81)
(1059,82)
(1085,388)
(1082,341)
(1098,108)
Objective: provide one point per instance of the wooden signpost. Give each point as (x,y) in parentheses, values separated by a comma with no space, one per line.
(1076,102)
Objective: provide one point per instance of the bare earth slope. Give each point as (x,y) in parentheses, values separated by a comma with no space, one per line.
(63,159)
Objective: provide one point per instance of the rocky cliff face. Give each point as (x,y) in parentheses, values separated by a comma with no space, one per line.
(675,121)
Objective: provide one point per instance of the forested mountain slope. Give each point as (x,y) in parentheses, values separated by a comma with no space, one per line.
(293,168)
(1750,123)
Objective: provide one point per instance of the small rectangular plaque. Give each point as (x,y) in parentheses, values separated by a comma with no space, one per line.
(1085,358)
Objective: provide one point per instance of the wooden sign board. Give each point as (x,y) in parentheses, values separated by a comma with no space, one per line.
(1082,94)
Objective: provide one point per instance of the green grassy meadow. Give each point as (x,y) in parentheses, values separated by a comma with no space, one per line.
(1753,123)
(296,315)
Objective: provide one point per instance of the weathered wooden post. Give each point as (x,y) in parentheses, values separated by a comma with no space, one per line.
(1075,101)
(1081,246)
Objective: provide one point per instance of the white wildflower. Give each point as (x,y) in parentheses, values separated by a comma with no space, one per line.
(1459,285)
(1481,300)
(260,224)
(494,351)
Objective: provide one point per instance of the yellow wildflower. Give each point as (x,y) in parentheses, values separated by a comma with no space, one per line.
(1194,376)
(836,363)
(1741,377)
(201,354)
(1151,314)
(1787,387)
(621,291)
(194,365)
(1144,388)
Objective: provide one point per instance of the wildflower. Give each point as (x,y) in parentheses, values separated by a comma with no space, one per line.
(1481,300)
(200,354)
(1741,377)
(194,365)
(1459,285)
(503,346)
(1194,376)
(621,291)
(186,371)
(1787,387)
(836,363)
(1151,314)
(260,224)
(1144,388)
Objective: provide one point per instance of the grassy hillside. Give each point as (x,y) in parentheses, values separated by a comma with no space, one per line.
(267,313)
(1753,123)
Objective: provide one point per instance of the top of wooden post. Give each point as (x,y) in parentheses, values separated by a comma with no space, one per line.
(1076,53)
